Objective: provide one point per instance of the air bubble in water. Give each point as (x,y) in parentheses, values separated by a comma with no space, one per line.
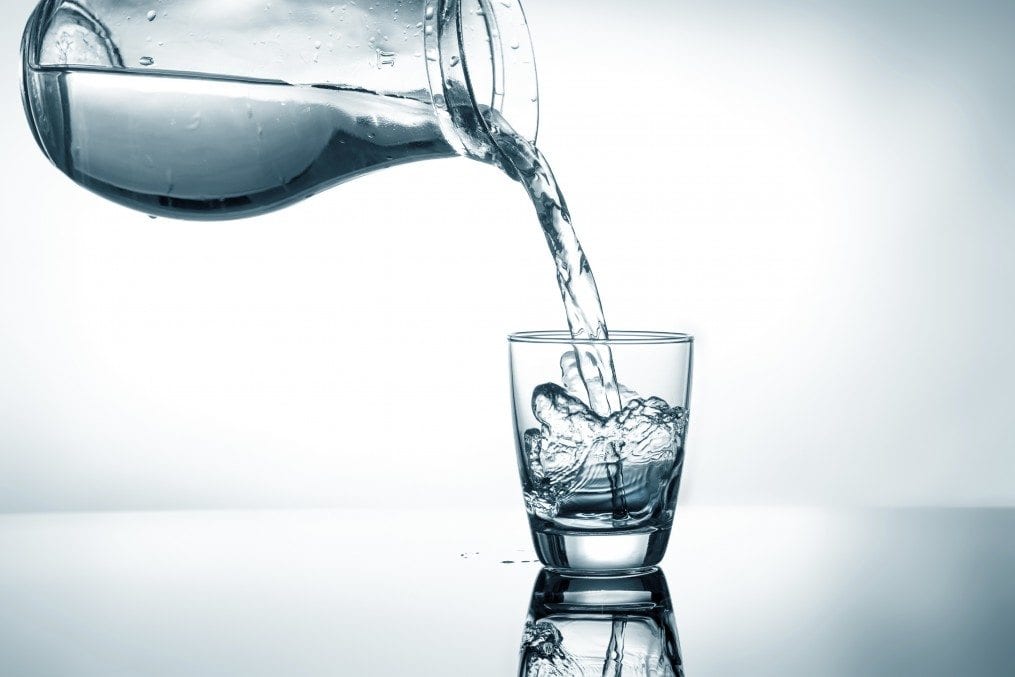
(146,61)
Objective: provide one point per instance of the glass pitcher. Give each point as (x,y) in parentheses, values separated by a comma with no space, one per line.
(205,109)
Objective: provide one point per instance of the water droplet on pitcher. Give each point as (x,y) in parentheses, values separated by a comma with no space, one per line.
(195,122)
(429,12)
(152,14)
(455,61)
(146,61)
(429,30)
(152,217)
(317,45)
(515,45)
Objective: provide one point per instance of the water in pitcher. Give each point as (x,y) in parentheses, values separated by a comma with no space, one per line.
(201,147)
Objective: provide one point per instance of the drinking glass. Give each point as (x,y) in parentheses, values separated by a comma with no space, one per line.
(600,483)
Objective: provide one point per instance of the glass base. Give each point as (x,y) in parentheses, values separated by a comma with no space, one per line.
(601,553)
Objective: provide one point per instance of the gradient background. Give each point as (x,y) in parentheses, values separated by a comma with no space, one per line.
(821,192)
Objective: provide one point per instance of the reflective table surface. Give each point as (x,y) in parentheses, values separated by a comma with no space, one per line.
(754,591)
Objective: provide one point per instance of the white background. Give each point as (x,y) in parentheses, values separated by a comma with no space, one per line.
(821,192)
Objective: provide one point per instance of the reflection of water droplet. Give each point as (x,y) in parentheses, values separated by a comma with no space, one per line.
(146,61)
(151,15)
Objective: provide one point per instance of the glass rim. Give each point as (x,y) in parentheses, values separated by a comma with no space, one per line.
(619,337)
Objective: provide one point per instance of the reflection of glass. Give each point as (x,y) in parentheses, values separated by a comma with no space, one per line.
(600,480)
(609,627)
